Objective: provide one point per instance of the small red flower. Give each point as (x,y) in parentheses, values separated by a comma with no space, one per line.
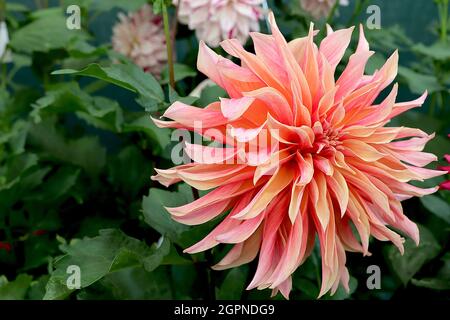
(39,232)
(5,246)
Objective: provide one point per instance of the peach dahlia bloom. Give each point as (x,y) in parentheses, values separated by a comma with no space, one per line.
(337,164)
(140,36)
(216,20)
(320,8)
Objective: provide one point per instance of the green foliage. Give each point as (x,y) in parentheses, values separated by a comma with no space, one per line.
(442,279)
(233,284)
(127,76)
(438,206)
(78,148)
(14,290)
(407,265)
(181,72)
(98,257)
(46,32)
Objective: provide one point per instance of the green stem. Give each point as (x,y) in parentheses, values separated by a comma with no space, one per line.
(443,14)
(2,10)
(9,236)
(440,103)
(195,193)
(358,8)
(210,276)
(168,45)
(332,12)
(4,73)
(432,104)
(316,263)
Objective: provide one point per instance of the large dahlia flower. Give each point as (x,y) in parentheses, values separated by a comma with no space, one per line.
(140,36)
(320,8)
(216,20)
(329,162)
(446,185)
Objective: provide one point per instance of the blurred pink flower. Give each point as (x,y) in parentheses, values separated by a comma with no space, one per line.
(5,53)
(446,184)
(216,20)
(320,8)
(335,170)
(140,37)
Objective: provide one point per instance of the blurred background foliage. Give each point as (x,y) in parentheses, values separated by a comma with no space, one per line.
(77,149)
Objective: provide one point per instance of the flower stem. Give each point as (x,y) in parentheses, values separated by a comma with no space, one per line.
(443,14)
(358,8)
(2,10)
(168,45)
(332,12)
(195,193)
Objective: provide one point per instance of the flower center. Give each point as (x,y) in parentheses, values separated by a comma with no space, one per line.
(327,141)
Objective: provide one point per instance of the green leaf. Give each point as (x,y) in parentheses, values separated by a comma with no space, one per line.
(181,72)
(100,112)
(56,290)
(308,288)
(173,258)
(141,122)
(432,283)
(47,32)
(210,94)
(15,190)
(233,285)
(16,136)
(406,266)
(437,51)
(58,185)
(97,257)
(437,206)
(420,120)
(129,181)
(37,288)
(127,5)
(16,7)
(419,82)
(173,97)
(442,279)
(438,146)
(14,168)
(375,63)
(38,251)
(341,293)
(153,261)
(127,76)
(85,152)
(14,290)
(137,284)
(158,218)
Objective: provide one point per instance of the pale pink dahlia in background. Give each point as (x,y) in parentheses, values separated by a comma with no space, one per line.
(5,53)
(446,184)
(140,36)
(320,8)
(216,20)
(335,163)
